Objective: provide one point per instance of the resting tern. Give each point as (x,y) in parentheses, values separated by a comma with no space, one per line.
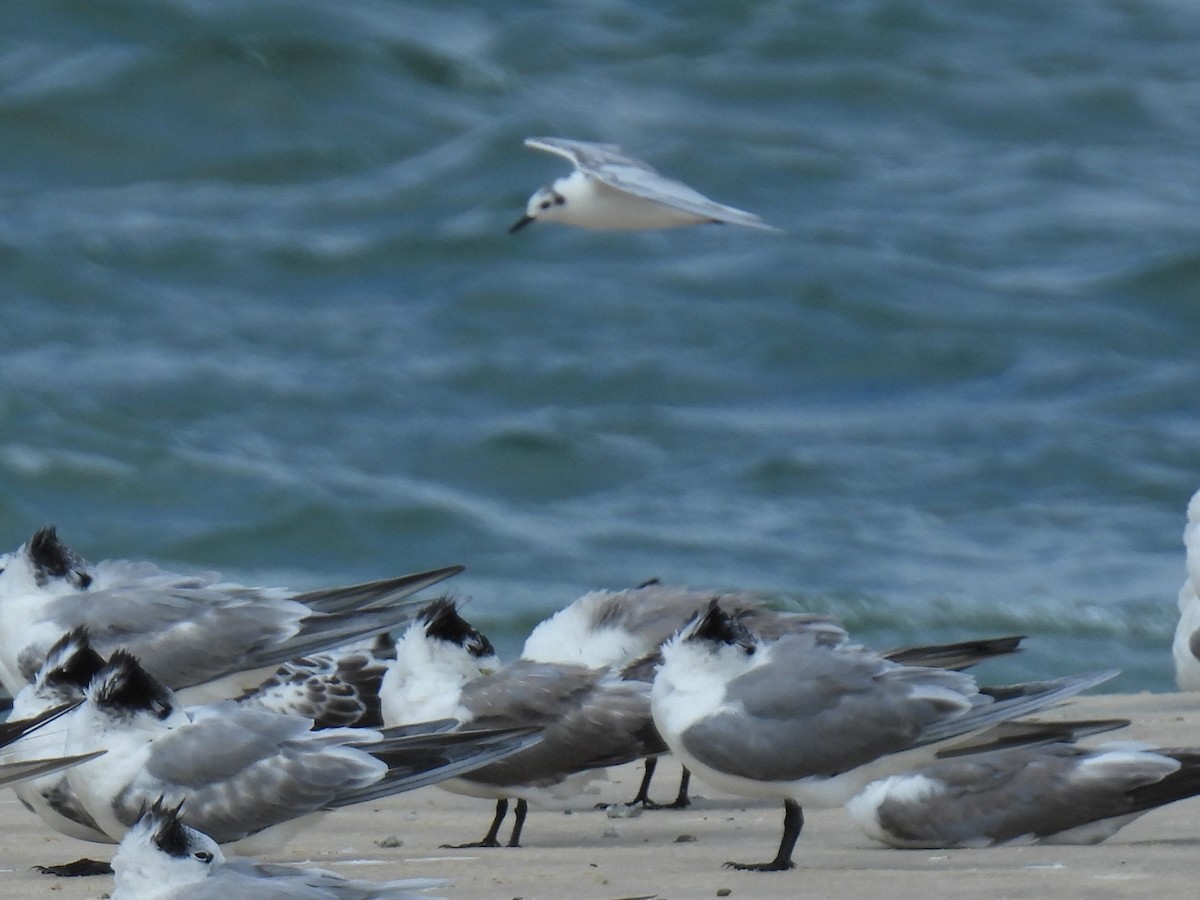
(188,630)
(161,858)
(1052,794)
(591,717)
(625,629)
(245,770)
(808,724)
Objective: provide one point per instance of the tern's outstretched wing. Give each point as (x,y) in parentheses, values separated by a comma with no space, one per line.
(608,164)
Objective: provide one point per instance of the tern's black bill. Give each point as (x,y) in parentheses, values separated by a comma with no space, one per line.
(520,223)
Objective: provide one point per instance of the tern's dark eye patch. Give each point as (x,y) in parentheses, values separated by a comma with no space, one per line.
(545,204)
(203,855)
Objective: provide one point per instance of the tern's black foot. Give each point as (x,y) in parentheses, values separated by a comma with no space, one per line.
(473,845)
(677,803)
(774,865)
(78,869)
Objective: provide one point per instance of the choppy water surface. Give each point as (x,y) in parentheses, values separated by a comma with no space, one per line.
(261,314)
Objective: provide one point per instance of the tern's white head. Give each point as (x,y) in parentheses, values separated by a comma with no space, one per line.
(160,854)
(712,649)
(549,203)
(123,695)
(716,631)
(43,565)
(438,654)
(70,665)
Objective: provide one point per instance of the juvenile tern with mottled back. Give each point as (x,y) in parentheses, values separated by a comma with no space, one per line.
(160,858)
(610,191)
(336,689)
(812,724)
(243,770)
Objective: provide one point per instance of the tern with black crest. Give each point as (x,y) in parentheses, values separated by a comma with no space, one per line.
(243,770)
(592,718)
(161,858)
(812,724)
(195,632)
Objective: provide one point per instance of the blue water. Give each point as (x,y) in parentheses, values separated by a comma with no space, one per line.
(261,313)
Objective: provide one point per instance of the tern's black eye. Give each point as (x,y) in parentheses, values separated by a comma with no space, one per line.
(545,204)
(559,199)
(204,856)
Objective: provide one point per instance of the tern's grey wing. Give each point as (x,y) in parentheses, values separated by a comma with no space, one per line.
(186,643)
(609,165)
(321,631)
(228,882)
(771,624)
(182,636)
(1183,783)
(810,711)
(529,693)
(586,156)
(1008,735)
(14,729)
(343,888)
(11,773)
(245,878)
(590,722)
(373,594)
(649,185)
(244,770)
(420,760)
(658,611)
(956,655)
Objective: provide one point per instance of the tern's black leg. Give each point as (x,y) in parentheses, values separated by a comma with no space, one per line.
(519,813)
(643,793)
(77,869)
(681,801)
(489,839)
(793,821)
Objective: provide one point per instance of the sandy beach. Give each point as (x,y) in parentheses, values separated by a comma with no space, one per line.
(586,855)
